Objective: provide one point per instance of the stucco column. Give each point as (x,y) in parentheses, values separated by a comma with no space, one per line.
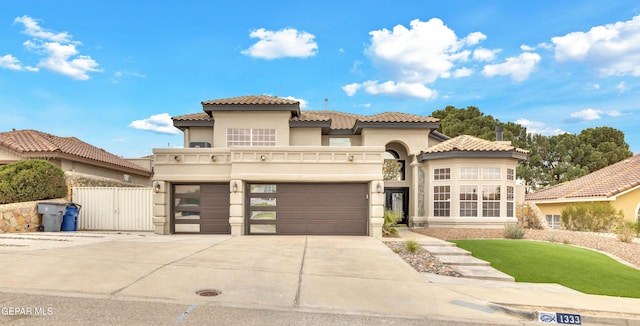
(376,208)
(160,207)
(417,196)
(236,207)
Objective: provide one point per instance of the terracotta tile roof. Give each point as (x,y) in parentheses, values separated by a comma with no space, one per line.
(202,116)
(391,117)
(466,143)
(37,144)
(339,120)
(251,100)
(606,182)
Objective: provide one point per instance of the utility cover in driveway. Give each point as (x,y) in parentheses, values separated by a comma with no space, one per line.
(307,208)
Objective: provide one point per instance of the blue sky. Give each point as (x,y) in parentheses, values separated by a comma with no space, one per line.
(112,72)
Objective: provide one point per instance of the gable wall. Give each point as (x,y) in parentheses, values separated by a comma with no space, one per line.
(251,119)
(414,140)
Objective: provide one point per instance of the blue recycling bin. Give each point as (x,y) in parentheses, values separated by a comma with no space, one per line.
(70,218)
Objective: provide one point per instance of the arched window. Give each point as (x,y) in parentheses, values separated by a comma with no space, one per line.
(393,168)
(638,215)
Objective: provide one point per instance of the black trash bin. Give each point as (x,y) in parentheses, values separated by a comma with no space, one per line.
(70,218)
(52,215)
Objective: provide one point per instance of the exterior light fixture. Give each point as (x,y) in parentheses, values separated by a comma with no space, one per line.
(156,187)
(263,157)
(213,158)
(177,158)
(351,158)
(379,187)
(234,187)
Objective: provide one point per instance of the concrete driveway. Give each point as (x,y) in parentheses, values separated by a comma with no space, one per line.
(347,275)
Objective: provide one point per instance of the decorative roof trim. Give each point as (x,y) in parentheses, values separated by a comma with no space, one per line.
(438,136)
(471,154)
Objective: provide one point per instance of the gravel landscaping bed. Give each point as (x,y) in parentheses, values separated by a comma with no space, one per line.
(421,260)
(605,242)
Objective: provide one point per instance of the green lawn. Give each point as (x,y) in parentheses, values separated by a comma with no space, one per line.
(541,262)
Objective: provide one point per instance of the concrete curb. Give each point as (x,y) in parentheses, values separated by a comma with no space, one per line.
(586,318)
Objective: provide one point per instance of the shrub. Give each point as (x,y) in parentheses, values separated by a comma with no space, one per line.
(412,246)
(31,180)
(513,231)
(391,218)
(626,231)
(594,217)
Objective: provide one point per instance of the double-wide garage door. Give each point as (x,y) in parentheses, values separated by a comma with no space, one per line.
(301,209)
(274,208)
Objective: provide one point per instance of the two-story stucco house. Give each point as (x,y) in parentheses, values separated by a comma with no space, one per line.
(260,165)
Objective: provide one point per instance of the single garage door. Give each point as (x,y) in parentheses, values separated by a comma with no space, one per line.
(201,208)
(307,209)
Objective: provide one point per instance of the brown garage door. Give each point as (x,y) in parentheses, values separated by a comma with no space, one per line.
(313,209)
(201,208)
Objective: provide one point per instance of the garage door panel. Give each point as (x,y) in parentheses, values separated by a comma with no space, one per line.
(207,209)
(319,209)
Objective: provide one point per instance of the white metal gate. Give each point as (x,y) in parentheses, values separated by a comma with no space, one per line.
(111,208)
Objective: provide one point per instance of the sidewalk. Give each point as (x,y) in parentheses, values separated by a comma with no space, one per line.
(529,297)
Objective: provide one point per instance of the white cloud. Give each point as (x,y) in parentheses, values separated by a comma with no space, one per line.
(286,42)
(537,127)
(422,53)
(160,123)
(10,62)
(519,68)
(596,86)
(587,115)
(462,72)
(303,103)
(622,87)
(64,59)
(614,113)
(612,49)
(33,29)
(58,50)
(417,90)
(351,89)
(482,54)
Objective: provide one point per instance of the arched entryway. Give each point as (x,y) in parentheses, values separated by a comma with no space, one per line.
(397,180)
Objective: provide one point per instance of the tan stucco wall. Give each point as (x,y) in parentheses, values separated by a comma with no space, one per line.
(414,140)
(8,156)
(255,119)
(199,134)
(356,140)
(305,137)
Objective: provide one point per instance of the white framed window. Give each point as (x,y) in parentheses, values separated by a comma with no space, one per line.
(442,201)
(510,203)
(511,174)
(251,137)
(553,221)
(469,173)
(491,201)
(491,173)
(469,200)
(442,174)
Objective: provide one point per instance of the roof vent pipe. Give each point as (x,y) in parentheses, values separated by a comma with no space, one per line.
(498,133)
(326,104)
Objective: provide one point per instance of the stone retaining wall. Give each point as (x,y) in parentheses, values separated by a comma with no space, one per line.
(22,217)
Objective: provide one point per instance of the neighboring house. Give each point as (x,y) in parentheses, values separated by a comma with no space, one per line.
(260,165)
(70,154)
(618,184)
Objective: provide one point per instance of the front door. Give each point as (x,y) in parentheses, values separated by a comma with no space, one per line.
(397,200)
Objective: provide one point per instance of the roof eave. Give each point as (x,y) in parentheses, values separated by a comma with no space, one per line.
(324,125)
(293,108)
(180,124)
(471,154)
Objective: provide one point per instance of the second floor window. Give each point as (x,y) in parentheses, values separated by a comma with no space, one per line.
(251,137)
